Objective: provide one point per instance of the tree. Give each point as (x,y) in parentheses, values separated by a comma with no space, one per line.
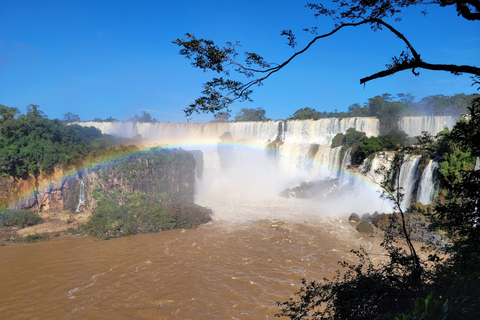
(221,91)
(145,117)
(251,115)
(70,117)
(305,113)
(33,110)
(221,117)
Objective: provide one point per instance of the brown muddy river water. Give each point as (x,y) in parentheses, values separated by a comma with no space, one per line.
(237,267)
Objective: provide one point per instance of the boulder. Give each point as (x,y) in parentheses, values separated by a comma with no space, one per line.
(354,218)
(366,217)
(365,227)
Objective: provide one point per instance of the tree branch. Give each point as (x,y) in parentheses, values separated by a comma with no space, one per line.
(413,64)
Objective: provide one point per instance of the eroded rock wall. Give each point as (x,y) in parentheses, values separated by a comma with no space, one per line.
(167,172)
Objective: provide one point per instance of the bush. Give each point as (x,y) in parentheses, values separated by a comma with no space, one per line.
(19,218)
(34,237)
(123,214)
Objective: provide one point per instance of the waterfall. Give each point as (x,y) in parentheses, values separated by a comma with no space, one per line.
(477,164)
(81,196)
(413,126)
(294,154)
(428,186)
(244,167)
(346,162)
(407,177)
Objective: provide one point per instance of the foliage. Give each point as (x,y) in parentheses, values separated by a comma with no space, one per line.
(31,143)
(352,136)
(122,214)
(70,117)
(251,115)
(109,119)
(363,291)
(145,117)
(19,218)
(368,146)
(34,237)
(221,117)
(306,113)
(432,308)
(406,287)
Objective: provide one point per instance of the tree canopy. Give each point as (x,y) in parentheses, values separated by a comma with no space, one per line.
(31,143)
(220,92)
(251,115)
(145,117)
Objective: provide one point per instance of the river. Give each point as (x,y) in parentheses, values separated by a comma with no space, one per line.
(238,266)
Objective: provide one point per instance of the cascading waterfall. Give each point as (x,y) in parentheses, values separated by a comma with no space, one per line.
(81,196)
(346,162)
(413,126)
(301,148)
(407,177)
(428,186)
(298,137)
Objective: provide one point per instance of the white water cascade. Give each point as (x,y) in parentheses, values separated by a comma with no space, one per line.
(428,186)
(407,177)
(413,126)
(81,196)
(298,151)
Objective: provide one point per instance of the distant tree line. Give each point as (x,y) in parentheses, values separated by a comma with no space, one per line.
(390,109)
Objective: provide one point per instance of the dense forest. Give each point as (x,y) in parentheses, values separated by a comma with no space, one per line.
(31,143)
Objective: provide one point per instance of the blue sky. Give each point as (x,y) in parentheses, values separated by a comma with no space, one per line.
(115,58)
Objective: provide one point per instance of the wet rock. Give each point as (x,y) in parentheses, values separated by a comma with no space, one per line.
(365,227)
(366,217)
(354,218)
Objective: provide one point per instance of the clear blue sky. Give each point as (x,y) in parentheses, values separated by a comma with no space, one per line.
(115,58)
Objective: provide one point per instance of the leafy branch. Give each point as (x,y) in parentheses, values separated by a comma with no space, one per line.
(219,93)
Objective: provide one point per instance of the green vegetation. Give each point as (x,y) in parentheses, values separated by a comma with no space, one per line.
(406,286)
(251,115)
(70,117)
(150,208)
(307,113)
(367,147)
(30,143)
(364,147)
(122,214)
(34,237)
(389,109)
(145,117)
(221,117)
(19,218)
(109,119)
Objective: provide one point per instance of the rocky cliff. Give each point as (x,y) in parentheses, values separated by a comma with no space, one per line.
(159,172)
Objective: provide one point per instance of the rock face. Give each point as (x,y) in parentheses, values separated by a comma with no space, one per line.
(162,172)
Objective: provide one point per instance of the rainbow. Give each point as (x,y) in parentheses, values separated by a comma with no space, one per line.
(204,145)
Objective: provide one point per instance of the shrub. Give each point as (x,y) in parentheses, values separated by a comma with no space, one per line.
(19,218)
(34,237)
